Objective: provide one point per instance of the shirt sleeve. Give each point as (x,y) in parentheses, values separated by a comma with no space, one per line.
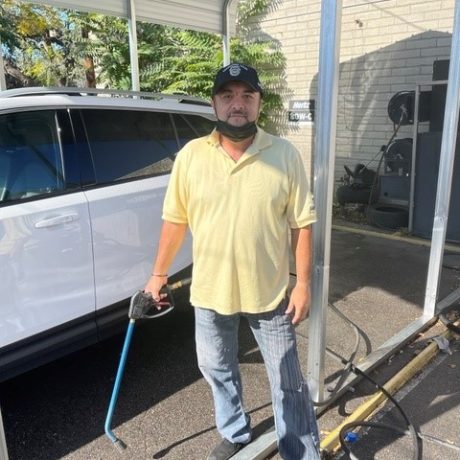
(175,203)
(301,208)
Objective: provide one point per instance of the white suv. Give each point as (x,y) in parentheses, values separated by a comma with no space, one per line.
(82,181)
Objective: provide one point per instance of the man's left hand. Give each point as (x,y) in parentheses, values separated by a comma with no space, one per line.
(299,303)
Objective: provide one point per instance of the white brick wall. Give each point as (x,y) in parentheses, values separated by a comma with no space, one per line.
(386,46)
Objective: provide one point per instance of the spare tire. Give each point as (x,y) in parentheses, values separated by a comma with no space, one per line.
(387,216)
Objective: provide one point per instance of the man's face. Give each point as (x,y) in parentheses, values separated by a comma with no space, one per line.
(237,103)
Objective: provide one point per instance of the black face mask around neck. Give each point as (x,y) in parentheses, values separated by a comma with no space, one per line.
(236,133)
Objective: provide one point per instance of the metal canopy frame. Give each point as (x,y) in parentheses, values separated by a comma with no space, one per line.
(324,167)
(324,164)
(331,11)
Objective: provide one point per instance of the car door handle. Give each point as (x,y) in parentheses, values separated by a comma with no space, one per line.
(57,220)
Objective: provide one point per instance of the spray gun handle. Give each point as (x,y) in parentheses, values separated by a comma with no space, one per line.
(142,302)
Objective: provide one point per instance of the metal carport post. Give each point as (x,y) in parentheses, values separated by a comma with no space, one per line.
(2,73)
(133,54)
(226,31)
(3,449)
(324,160)
(446,167)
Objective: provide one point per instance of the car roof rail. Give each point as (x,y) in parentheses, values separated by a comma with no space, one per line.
(74,91)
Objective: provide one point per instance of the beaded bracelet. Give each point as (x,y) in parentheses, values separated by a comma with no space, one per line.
(160,276)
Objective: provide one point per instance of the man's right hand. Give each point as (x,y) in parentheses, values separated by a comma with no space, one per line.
(153,286)
(171,238)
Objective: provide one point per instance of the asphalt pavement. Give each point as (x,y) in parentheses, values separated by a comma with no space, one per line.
(165,410)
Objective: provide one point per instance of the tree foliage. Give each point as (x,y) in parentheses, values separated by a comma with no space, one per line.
(52,47)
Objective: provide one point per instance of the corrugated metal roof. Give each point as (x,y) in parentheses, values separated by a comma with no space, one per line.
(204,15)
(109,7)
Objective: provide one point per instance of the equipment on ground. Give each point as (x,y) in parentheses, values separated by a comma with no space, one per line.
(358,187)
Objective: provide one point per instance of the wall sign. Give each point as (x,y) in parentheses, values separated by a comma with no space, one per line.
(302,111)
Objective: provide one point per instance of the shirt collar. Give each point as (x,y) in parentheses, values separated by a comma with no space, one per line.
(262,140)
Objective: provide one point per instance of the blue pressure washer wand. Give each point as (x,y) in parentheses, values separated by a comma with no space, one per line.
(142,306)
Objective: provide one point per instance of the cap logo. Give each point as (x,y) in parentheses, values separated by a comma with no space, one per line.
(234,70)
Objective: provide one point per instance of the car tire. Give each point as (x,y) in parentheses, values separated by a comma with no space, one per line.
(387,216)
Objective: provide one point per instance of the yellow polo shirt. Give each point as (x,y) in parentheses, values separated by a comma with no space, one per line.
(240,215)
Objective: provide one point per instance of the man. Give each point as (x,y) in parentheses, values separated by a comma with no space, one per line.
(240,190)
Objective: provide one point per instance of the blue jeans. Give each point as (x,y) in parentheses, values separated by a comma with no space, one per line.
(217,351)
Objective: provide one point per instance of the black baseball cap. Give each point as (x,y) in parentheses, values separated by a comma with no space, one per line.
(237,72)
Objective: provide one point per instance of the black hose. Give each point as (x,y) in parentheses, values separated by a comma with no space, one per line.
(347,370)
(410,427)
(350,367)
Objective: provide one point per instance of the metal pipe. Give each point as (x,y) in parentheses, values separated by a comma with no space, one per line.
(133,55)
(418,92)
(414,152)
(2,70)
(446,166)
(328,77)
(3,449)
(118,443)
(226,31)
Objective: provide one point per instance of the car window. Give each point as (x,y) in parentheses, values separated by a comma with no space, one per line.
(191,126)
(30,155)
(126,144)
